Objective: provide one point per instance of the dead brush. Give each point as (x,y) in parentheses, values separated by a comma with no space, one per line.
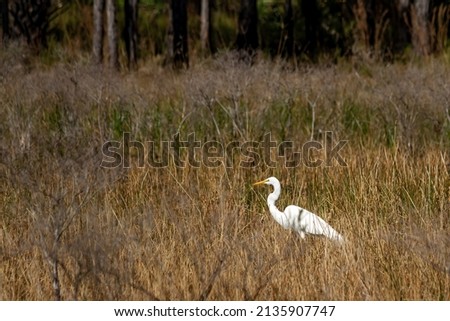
(73,230)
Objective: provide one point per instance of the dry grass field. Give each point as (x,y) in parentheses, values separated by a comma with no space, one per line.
(74,230)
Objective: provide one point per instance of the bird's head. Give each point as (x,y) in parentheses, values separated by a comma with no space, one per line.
(269,181)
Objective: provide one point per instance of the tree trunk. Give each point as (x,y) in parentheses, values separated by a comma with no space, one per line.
(131,31)
(205,28)
(179,48)
(312,25)
(112,34)
(288,30)
(97,45)
(412,25)
(420,27)
(371,22)
(247,38)
(5,21)
(401,21)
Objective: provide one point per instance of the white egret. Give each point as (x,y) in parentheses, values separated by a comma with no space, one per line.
(297,218)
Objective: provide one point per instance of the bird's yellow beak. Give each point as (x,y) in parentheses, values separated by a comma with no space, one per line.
(259,183)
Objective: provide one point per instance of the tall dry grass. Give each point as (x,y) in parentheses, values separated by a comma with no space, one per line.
(73,230)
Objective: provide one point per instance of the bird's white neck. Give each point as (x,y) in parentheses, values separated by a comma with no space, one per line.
(273,197)
(279,216)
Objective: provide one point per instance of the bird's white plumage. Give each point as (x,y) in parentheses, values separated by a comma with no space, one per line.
(296,218)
